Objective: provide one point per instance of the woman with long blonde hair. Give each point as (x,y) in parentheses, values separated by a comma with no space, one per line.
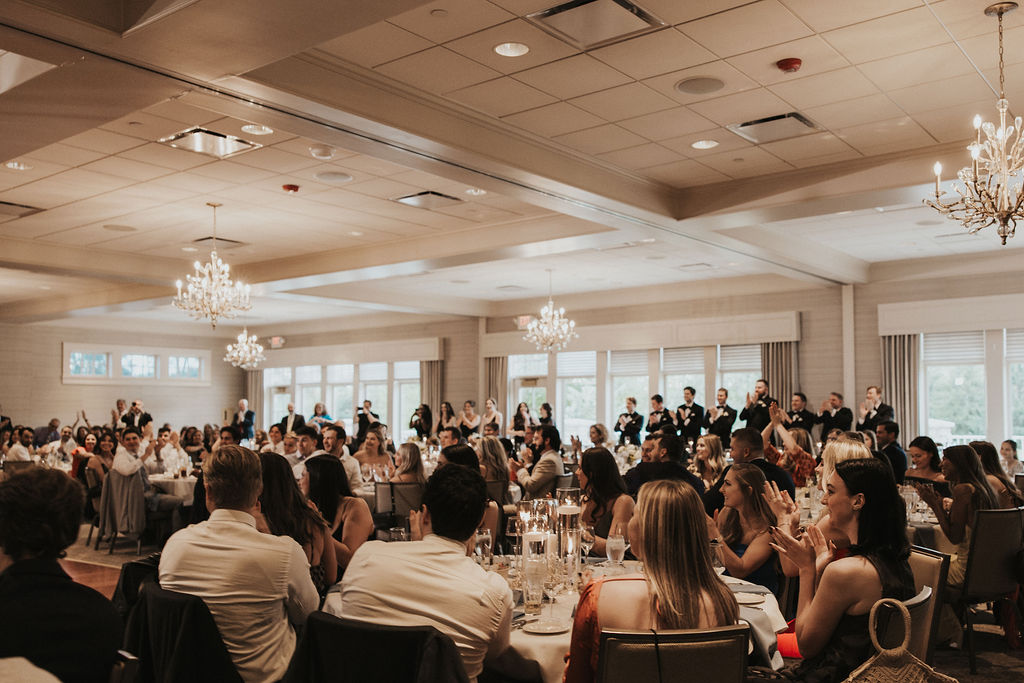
(710,460)
(742,527)
(494,464)
(409,465)
(678,589)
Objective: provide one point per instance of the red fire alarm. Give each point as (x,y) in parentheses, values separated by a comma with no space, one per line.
(789,64)
(290,189)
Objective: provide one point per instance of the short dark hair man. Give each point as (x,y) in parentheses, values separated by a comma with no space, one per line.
(834,415)
(689,416)
(432,581)
(798,415)
(541,481)
(719,419)
(887,434)
(334,438)
(756,411)
(668,461)
(449,436)
(659,415)
(747,446)
(40,513)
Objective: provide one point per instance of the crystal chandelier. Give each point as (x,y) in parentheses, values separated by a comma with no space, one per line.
(552,331)
(989,191)
(245,353)
(210,292)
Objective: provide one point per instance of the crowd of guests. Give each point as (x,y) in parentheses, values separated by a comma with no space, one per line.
(278,531)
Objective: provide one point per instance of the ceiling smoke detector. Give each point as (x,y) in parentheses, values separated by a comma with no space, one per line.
(772,128)
(789,65)
(699,85)
(333,177)
(587,24)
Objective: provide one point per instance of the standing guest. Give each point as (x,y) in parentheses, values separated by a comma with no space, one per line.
(373,454)
(243,420)
(756,410)
(720,419)
(798,415)
(689,417)
(469,421)
(320,416)
(666,460)
(284,511)
(324,483)
(872,411)
(927,466)
(449,436)
(517,428)
(834,415)
(797,456)
(677,590)
(275,440)
(292,421)
(607,504)
(629,424)
(119,411)
(747,446)
(365,418)
(492,415)
(409,465)
(61,626)
(710,460)
(541,481)
(1004,488)
(547,414)
(432,581)
(334,443)
(1008,453)
(886,434)
(422,421)
(256,585)
(742,527)
(659,416)
(22,449)
(447,417)
(136,416)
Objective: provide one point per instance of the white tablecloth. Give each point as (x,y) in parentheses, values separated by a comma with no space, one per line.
(368,493)
(183,486)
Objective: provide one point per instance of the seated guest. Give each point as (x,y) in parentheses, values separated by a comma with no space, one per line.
(667,461)
(491,429)
(541,481)
(22,449)
(284,511)
(464,455)
(102,461)
(448,436)
(310,443)
(677,590)
(256,585)
(324,483)
(747,446)
(927,468)
(742,526)
(797,456)
(886,434)
(320,416)
(61,626)
(275,440)
(334,443)
(832,616)
(432,581)
(291,448)
(373,454)
(598,434)
(710,460)
(494,463)
(409,465)
(607,504)
(130,459)
(1004,488)
(1008,455)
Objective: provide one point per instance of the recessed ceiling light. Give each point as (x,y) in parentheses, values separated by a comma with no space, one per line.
(439,13)
(647,240)
(135,123)
(190,249)
(45,287)
(880,209)
(356,233)
(322,152)
(512,49)
(460,282)
(333,177)
(699,85)
(257,129)
(113,227)
(476,192)
(704,144)
(18,166)
(510,288)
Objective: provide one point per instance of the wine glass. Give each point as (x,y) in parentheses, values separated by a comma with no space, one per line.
(587,539)
(484,543)
(367,473)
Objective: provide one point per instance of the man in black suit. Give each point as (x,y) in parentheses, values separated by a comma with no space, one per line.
(668,461)
(659,416)
(834,415)
(747,446)
(292,422)
(719,419)
(136,416)
(689,416)
(364,418)
(886,434)
(756,411)
(798,415)
(244,419)
(872,411)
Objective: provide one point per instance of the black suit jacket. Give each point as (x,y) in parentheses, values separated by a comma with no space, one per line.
(61,626)
(655,421)
(882,414)
(804,419)
(722,426)
(757,415)
(714,500)
(244,426)
(897,457)
(298,423)
(631,432)
(691,429)
(130,419)
(843,419)
(650,471)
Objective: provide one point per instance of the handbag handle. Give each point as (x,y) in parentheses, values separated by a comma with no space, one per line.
(873,627)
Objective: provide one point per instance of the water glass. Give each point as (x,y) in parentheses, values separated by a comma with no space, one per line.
(615,547)
(535,570)
(484,546)
(587,539)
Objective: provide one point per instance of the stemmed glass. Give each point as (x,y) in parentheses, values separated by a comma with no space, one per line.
(616,546)
(587,539)
(484,543)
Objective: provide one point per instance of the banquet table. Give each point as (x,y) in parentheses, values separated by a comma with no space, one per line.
(929,534)
(183,487)
(549,651)
(368,493)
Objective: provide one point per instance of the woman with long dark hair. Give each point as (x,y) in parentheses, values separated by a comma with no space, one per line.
(743,525)
(469,421)
(1002,485)
(325,484)
(926,465)
(517,428)
(447,417)
(422,421)
(606,501)
(547,416)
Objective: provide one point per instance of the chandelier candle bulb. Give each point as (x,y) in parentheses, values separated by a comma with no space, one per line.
(938,177)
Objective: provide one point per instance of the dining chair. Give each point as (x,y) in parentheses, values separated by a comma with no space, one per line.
(930,568)
(125,669)
(919,608)
(717,655)
(93,481)
(396,500)
(1018,481)
(564,481)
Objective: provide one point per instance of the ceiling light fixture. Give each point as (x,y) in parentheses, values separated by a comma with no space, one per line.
(699,85)
(245,353)
(552,331)
(190,249)
(704,144)
(257,129)
(512,49)
(989,191)
(211,293)
(322,152)
(356,233)
(476,192)
(18,166)
(333,177)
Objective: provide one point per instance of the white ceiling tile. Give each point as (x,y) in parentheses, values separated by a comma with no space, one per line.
(126,168)
(99,140)
(543,46)
(554,119)
(383,188)
(968,19)
(654,54)
(941,94)
(854,112)
(684,174)
(460,17)
(744,163)
(845,155)
(984,50)
(168,157)
(817,55)
(65,155)
(955,123)
(641,156)
(669,123)
(746,28)
(62,188)
(624,101)
(726,139)
(574,76)
(38,170)
(823,15)
(808,147)
(523,7)
(144,126)
(367,164)
(501,96)
(922,66)
(192,183)
(600,139)
(375,44)
(889,35)
(182,113)
(676,12)
(741,107)
(437,70)
(274,159)
(231,172)
(477,213)
(733,81)
(885,136)
(826,88)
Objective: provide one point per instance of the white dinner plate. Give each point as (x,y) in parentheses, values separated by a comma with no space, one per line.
(546,628)
(749,598)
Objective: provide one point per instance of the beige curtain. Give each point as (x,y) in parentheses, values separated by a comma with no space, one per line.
(431,386)
(781,368)
(496,374)
(900,359)
(254,394)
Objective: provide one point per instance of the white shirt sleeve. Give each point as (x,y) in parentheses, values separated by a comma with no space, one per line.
(302,596)
(125,463)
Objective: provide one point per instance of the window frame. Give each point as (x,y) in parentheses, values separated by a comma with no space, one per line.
(114,354)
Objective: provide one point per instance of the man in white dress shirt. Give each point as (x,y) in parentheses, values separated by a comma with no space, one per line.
(309,445)
(130,458)
(433,582)
(334,443)
(541,481)
(255,585)
(22,450)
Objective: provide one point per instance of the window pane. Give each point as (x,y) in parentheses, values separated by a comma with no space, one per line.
(739,384)
(81,364)
(956,403)
(277,377)
(674,388)
(377,393)
(1015,388)
(533,397)
(577,363)
(372,371)
(138,365)
(307,374)
(339,374)
(528,365)
(624,387)
(309,396)
(408,401)
(342,402)
(278,407)
(187,367)
(407,369)
(579,406)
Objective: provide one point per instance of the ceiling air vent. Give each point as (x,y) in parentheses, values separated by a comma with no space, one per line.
(17,210)
(428,200)
(774,128)
(587,24)
(209,142)
(221,243)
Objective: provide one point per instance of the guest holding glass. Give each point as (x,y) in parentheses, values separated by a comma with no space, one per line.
(629,424)
(448,418)
(422,421)
(409,465)
(324,483)
(607,504)
(741,528)
(517,428)
(469,421)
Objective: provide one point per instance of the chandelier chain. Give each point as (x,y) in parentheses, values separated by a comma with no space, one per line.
(1002,77)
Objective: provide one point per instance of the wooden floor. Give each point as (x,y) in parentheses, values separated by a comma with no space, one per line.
(97,577)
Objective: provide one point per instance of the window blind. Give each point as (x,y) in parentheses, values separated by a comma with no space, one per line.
(628,363)
(683,360)
(954,348)
(1015,345)
(577,363)
(746,357)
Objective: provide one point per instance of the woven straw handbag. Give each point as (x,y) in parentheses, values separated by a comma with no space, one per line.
(896,665)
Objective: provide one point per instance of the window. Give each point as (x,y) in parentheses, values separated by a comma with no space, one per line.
(954,379)
(341,392)
(277,377)
(528,365)
(188,367)
(82,364)
(627,371)
(739,368)
(138,365)
(682,368)
(1015,383)
(407,397)
(308,390)
(373,386)
(577,393)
